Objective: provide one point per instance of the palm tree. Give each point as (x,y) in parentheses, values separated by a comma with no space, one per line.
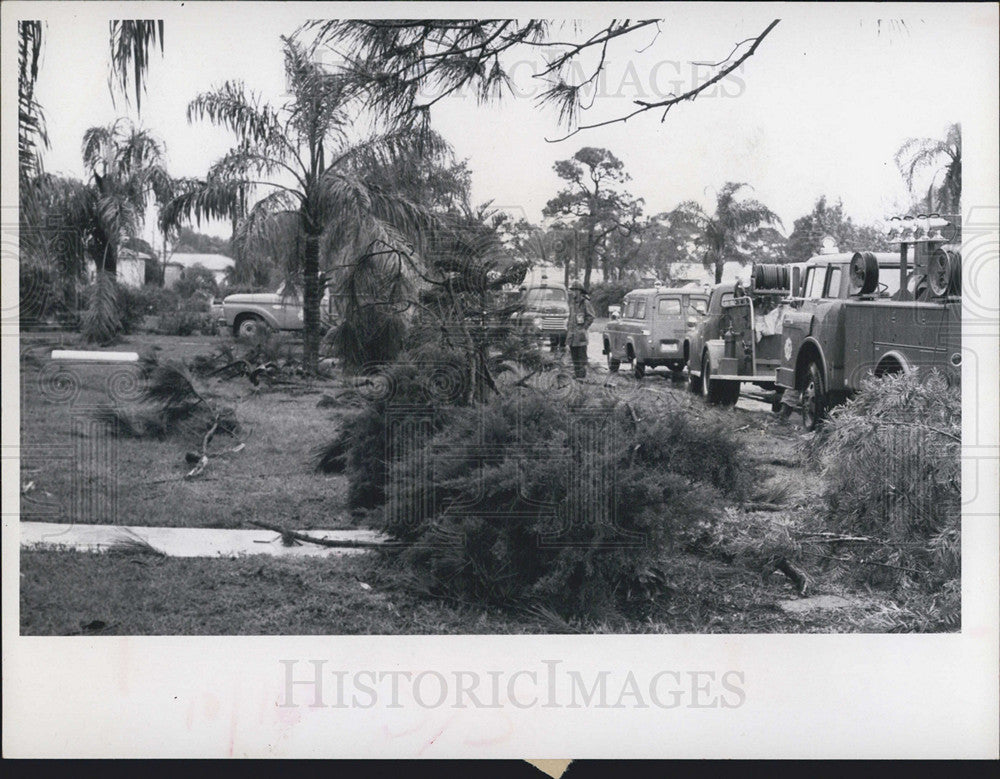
(125,167)
(130,42)
(320,181)
(733,222)
(945,157)
(45,201)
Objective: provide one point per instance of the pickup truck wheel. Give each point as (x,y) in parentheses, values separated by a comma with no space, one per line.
(715,391)
(613,364)
(730,392)
(694,382)
(706,379)
(813,397)
(250,327)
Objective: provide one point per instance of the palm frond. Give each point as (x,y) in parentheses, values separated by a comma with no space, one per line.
(240,110)
(209,199)
(31,127)
(331,457)
(131,41)
(101,321)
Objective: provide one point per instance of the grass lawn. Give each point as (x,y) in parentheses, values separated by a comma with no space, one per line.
(143,484)
(126,594)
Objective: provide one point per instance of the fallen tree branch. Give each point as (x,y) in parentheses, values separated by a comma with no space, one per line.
(867,562)
(342,544)
(765,507)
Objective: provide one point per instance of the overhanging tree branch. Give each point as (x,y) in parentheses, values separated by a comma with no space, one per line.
(691,94)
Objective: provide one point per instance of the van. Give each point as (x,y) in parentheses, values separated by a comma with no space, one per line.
(654,328)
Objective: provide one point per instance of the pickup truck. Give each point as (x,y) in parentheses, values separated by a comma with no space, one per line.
(545,312)
(867,314)
(254,313)
(654,328)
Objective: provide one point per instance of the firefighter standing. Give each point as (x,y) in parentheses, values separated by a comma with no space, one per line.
(581,316)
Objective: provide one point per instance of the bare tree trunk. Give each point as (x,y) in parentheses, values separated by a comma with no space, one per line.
(719,263)
(311,295)
(591,247)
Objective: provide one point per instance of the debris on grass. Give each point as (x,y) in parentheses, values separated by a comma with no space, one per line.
(130,542)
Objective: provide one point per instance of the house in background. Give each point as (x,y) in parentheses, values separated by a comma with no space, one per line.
(131,268)
(179,261)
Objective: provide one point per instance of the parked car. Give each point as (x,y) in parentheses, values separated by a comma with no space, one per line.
(546,312)
(654,329)
(250,314)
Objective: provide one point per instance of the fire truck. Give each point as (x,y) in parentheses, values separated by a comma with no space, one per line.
(737,341)
(865,314)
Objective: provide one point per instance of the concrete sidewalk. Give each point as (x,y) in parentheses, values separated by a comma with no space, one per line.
(186,541)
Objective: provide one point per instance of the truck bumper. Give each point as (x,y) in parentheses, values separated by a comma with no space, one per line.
(785,377)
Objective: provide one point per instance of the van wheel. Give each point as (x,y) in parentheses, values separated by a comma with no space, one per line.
(813,397)
(250,328)
(613,364)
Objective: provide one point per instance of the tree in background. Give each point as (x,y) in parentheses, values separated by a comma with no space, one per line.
(197,279)
(191,242)
(943,156)
(57,216)
(829,220)
(125,168)
(724,234)
(594,204)
(669,238)
(318,177)
(767,245)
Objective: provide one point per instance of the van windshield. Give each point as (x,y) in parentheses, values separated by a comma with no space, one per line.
(546,295)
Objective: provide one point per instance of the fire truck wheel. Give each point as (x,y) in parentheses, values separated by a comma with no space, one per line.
(813,397)
(613,364)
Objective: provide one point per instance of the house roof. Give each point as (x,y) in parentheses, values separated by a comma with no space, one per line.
(214,262)
(132,254)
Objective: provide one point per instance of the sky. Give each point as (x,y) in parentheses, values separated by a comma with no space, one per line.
(820,109)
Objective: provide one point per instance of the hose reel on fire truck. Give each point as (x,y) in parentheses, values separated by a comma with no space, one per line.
(769,276)
(864,273)
(944,273)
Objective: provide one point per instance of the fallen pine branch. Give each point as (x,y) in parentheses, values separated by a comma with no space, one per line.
(343,544)
(868,562)
(834,538)
(765,507)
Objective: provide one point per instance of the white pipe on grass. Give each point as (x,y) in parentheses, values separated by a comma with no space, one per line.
(82,356)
